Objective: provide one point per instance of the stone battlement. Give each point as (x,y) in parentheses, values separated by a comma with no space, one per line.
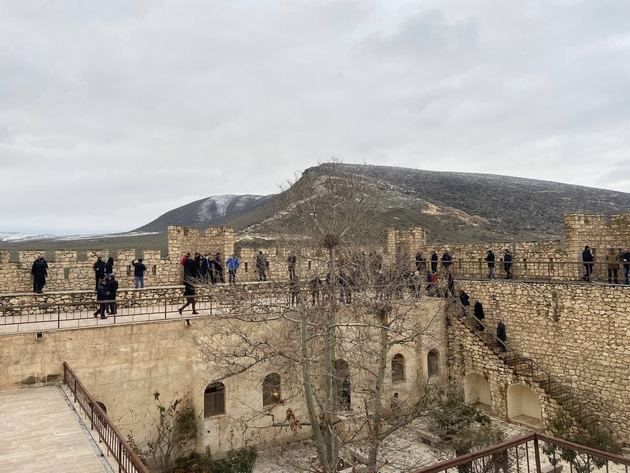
(72,270)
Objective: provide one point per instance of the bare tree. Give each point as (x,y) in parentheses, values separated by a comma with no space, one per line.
(334,327)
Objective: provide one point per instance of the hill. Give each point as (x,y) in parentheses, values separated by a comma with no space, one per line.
(451,206)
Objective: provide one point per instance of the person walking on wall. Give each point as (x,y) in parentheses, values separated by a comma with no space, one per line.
(211,269)
(109,267)
(138,272)
(39,270)
(261,266)
(464,298)
(189,294)
(101,297)
(434,262)
(612,264)
(625,260)
(447,260)
(507,264)
(421,264)
(112,290)
(587,261)
(291,264)
(218,267)
(99,271)
(501,335)
(479,315)
(232,263)
(490,259)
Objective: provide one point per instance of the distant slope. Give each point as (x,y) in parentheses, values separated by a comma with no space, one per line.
(451,206)
(211,211)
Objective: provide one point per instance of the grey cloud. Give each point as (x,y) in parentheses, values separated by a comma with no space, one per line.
(153,104)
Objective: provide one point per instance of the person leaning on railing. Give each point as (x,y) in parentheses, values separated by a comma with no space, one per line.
(612,264)
(587,260)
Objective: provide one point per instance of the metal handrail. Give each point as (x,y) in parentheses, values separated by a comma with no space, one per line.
(126,459)
(535,437)
(583,407)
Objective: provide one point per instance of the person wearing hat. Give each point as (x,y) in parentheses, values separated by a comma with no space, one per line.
(112,289)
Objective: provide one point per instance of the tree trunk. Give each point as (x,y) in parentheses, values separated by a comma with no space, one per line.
(377,400)
(307,382)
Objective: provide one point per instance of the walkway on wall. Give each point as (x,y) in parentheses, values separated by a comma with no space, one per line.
(41,432)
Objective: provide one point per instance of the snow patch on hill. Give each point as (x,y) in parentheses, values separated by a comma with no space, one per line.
(217,206)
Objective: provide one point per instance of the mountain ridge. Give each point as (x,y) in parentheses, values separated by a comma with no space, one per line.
(452,206)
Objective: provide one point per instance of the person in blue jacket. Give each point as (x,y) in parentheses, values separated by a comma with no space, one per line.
(232,263)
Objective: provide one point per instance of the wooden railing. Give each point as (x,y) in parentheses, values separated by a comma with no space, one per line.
(125,458)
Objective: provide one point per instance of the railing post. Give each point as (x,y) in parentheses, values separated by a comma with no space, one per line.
(119,456)
(75,389)
(165,308)
(91,416)
(58,316)
(537,453)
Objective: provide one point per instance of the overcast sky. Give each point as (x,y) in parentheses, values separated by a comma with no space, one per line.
(113,112)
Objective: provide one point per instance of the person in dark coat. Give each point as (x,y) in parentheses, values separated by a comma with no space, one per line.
(138,273)
(99,271)
(625,260)
(291,264)
(507,264)
(450,286)
(209,262)
(101,296)
(112,290)
(587,260)
(447,260)
(218,268)
(39,270)
(189,294)
(501,335)
(190,271)
(434,262)
(490,259)
(315,286)
(479,315)
(465,300)
(109,267)
(261,266)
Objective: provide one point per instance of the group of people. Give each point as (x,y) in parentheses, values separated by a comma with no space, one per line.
(507,264)
(104,270)
(209,268)
(479,315)
(613,260)
(205,269)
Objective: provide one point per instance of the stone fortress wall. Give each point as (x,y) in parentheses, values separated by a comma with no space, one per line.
(122,365)
(578,333)
(72,270)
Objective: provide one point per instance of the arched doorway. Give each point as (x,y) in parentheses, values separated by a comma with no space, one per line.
(523,405)
(477,390)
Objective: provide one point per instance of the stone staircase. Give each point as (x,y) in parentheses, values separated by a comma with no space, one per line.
(526,368)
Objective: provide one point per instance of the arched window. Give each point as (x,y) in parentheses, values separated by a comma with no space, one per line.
(398,368)
(343,387)
(214,400)
(433,363)
(272,393)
